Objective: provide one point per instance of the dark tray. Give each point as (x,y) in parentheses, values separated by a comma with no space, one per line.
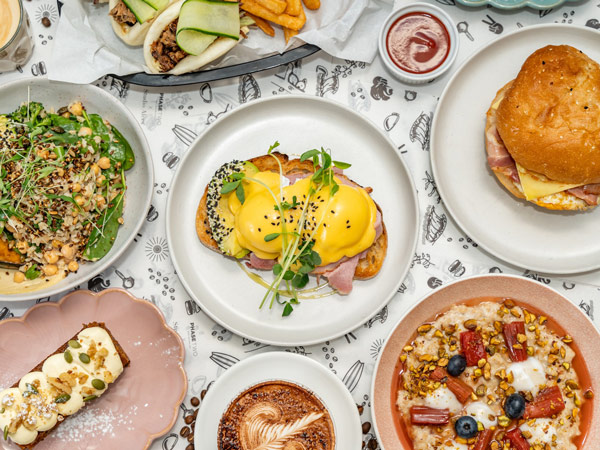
(220,73)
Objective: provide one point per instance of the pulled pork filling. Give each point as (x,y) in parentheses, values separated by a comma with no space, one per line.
(122,14)
(165,50)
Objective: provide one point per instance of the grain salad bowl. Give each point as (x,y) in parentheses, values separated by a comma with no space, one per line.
(139,179)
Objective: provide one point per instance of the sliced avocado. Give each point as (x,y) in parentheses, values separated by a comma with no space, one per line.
(141,10)
(220,218)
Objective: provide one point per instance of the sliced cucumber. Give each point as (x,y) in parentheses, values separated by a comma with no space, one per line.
(200,20)
(140,9)
(159,5)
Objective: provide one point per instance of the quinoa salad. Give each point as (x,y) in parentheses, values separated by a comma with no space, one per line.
(62,189)
(492,376)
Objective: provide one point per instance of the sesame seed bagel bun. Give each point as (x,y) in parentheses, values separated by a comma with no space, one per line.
(131,35)
(549,118)
(190,63)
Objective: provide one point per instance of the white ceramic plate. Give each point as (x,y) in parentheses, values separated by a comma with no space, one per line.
(140,178)
(299,123)
(283,366)
(516,231)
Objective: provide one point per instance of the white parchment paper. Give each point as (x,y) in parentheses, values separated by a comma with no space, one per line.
(86,47)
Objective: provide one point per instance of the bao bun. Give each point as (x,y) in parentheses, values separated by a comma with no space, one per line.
(549,118)
(131,35)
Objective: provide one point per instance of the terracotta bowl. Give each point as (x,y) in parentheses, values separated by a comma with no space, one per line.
(560,311)
(143,402)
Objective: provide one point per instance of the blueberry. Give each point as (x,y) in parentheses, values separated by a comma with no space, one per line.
(466,427)
(514,406)
(456,365)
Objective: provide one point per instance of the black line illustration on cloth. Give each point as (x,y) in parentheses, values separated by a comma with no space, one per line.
(380,317)
(46,299)
(119,86)
(152,214)
(185,411)
(495,270)
(223,360)
(137,236)
(567,285)
(206,93)
(5,313)
(38,69)
(46,11)
(434,282)
(299,350)
(544,12)
(463,27)
(380,89)
(593,23)
(253,344)
(212,116)
(376,347)
(457,268)
(408,285)
(158,278)
(222,334)
(353,376)
(358,98)
(170,441)
(431,187)
(248,89)
(330,355)
(409,96)
(45,39)
(566,17)
(127,282)
(446,2)
(171,159)
(98,284)
(157,249)
(163,305)
(434,225)
(419,131)
(401,147)
(493,26)
(391,121)
(424,259)
(197,385)
(191,307)
(325,82)
(161,188)
(588,308)
(350,336)
(346,69)
(291,76)
(536,277)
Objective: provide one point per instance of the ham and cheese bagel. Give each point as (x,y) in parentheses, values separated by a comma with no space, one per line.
(121,19)
(162,55)
(543,130)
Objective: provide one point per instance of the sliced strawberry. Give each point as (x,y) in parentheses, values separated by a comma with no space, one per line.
(472,347)
(547,403)
(484,438)
(511,331)
(424,415)
(517,440)
(459,388)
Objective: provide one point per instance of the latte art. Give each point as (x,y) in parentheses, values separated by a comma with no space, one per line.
(276,416)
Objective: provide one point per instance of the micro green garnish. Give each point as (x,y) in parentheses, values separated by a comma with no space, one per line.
(298,258)
(32,273)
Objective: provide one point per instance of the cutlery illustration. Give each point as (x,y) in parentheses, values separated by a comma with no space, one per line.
(494,26)
(184,134)
(352,377)
(223,360)
(463,27)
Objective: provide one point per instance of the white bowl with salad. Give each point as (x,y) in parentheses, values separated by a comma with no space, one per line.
(76,181)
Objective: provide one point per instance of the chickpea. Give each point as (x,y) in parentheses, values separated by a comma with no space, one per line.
(74,213)
(79,200)
(68,251)
(19,277)
(50,269)
(56,243)
(100,201)
(51,256)
(104,162)
(76,108)
(84,131)
(73,266)
(95,169)
(76,187)
(101,179)
(43,153)
(22,246)
(60,171)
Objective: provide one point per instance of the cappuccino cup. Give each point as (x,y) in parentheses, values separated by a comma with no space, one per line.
(16,42)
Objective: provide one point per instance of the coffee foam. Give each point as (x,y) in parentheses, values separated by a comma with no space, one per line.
(10,16)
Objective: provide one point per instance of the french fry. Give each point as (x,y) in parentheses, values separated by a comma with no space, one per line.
(312,4)
(285,20)
(293,7)
(276,6)
(263,25)
(288,33)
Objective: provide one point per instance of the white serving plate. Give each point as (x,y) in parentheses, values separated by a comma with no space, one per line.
(299,123)
(514,230)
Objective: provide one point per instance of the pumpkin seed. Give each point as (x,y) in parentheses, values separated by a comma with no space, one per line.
(98,384)
(31,388)
(89,397)
(62,398)
(84,358)
(68,356)
(6,433)
(2,411)
(74,344)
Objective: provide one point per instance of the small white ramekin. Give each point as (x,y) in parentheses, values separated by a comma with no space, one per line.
(418,78)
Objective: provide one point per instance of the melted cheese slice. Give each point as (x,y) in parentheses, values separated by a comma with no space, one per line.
(536,185)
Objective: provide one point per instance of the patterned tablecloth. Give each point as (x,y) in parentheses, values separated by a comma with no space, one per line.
(172,118)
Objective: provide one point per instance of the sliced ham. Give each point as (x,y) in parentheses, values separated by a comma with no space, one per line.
(580,192)
(341,277)
(261,264)
(592,188)
(293,177)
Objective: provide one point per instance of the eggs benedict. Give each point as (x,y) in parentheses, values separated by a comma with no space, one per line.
(257,210)
(543,130)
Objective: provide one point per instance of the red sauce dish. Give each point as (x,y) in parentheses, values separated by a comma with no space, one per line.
(418,42)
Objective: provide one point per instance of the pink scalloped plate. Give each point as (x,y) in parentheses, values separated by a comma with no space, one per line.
(142,404)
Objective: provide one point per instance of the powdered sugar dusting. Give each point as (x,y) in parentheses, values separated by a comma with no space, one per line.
(92,423)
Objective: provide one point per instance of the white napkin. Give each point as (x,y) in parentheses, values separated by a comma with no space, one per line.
(86,47)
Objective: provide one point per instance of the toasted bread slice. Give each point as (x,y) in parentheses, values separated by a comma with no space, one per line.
(367,267)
